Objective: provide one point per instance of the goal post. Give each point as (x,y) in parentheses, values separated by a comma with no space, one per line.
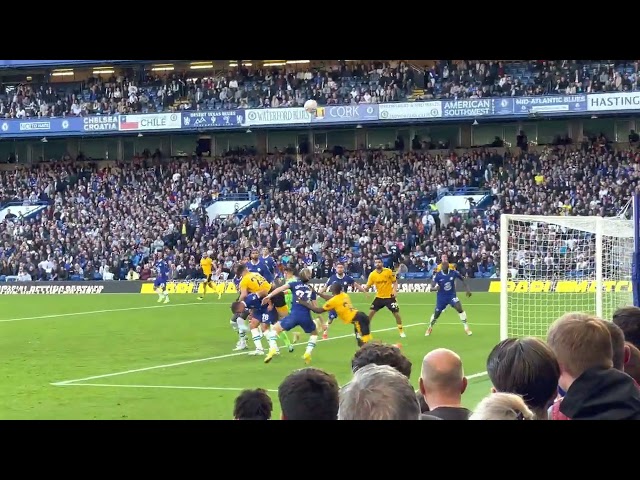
(635,269)
(551,265)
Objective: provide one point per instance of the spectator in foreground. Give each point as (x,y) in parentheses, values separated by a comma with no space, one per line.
(378,353)
(526,367)
(632,367)
(628,319)
(594,389)
(378,392)
(502,406)
(442,383)
(253,405)
(309,394)
(621,355)
(620,350)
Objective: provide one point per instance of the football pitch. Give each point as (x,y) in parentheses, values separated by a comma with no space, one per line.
(126,357)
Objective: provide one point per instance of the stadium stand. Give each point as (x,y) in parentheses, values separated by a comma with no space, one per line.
(348,83)
(91,223)
(79,219)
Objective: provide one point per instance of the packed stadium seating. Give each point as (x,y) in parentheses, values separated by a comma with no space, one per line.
(350,208)
(333,84)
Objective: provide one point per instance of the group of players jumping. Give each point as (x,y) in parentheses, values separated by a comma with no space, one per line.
(269,307)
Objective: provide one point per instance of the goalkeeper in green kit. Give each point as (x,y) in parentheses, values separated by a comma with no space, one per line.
(290,276)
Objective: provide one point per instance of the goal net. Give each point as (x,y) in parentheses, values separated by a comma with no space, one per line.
(553,265)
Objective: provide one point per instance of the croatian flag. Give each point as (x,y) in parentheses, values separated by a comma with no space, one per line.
(128,125)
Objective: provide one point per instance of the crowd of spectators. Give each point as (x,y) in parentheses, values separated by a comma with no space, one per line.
(314,210)
(331,84)
(587,369)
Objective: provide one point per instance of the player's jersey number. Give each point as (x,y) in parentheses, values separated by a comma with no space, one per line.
(303,295)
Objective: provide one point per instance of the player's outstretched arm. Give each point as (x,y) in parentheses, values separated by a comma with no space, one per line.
(464,283)
(312,307)
(278,290)
(323,295)
(243,294)
(359,287)
(466,286)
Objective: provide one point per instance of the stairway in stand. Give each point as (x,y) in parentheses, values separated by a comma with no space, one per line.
(417,94)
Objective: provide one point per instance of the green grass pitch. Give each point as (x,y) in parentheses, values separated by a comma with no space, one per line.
(126,357)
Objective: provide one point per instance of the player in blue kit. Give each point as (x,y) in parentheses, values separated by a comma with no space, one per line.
(262,267)
(345,281)
(258,265)
(162,278)
(300,316)
(268,260)
(444,282)
(239,322)
(263,316)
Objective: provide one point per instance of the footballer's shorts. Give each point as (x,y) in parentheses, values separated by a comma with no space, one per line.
(362,324)
(278,300)
(389,303)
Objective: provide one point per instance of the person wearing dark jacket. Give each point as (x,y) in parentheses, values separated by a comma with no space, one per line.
(594,389)
(442,383)
(602,394)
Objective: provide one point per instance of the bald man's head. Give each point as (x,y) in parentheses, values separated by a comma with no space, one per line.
(442,374)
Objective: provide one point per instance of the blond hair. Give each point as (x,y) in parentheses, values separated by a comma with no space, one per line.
(502,406)
(580,342)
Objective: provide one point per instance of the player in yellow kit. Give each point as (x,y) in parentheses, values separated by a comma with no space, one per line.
(251,283)
(206,264)
(443,259)
(342,305)
(386,290)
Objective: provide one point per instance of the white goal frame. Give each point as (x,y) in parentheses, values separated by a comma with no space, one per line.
(613,227)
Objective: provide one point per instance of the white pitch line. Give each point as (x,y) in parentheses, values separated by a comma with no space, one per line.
(220,357)
(477,375)
(130,309)
(165,387)
(93,312)
(186,387)
(200,360)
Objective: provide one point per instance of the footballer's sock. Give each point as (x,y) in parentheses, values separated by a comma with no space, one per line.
(159,292)
(242,325)
(313,339)
(400,329)
(366,338)
(285,338)
(272,335)
(463,319)
(257,338)
(433,321)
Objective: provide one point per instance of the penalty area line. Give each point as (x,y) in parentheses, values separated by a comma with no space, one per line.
(221,357)
(95,312)
(201,360)
(158,387)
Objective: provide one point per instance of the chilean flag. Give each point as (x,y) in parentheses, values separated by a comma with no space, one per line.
(125,125)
